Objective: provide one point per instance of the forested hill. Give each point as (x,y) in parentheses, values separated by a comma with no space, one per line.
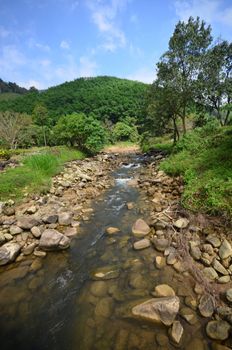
(108,98)
(11,87)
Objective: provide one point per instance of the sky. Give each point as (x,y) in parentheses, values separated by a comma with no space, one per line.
(47,42)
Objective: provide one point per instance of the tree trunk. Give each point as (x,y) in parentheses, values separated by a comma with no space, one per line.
(176,134)
(44,136)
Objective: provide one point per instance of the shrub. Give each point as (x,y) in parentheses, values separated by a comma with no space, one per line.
(5,154)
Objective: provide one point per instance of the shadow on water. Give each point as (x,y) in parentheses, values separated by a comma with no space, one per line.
(61,306)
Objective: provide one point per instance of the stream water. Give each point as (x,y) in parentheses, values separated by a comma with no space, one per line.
(62,306)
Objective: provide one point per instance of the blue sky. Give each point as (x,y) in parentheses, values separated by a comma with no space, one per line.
(47,42)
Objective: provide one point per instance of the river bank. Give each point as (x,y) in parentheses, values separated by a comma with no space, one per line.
(133,244)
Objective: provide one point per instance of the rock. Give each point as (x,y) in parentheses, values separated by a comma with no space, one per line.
(50,218)
(189,315)
(112,230)
(142,244)
(162,340)
(140,228)
(160,244)
(99,288)
(8,211)
(171,258)
(160,262)
(225,250)
(36,231)
(130,205)
(210,273)
(121,340)
(163,290)
(70,232)
(15,230)
(218,330)
(8,236)
(39,253)
(106,273)
(191,302)
(26,223)
(137,281)
(214,240)
(207,248)
(158,310)
(206,306)
(53,240)
(229,295)
(181,223)
(29,249)
(219,267)
(2,238)
(104,307)
(31,210)
(8,252)
(195,252)
(176,331)
(197,344)
(65,219)
(36,265)
(223,279)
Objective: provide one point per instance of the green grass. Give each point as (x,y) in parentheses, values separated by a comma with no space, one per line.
(204,159)
(34,176)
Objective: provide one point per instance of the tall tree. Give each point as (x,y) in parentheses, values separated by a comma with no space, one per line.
(180,65)
(215,83)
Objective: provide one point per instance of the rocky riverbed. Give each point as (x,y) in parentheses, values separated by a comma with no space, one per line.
(131,271)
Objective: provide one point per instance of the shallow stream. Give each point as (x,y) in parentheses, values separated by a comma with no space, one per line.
(61,306)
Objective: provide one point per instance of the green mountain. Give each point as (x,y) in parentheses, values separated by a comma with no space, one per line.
(108,98)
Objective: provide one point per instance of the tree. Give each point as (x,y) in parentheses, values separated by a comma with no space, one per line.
(40,116)
(12,125)
(82,131)
(124,132)
(180,65)
(215,83)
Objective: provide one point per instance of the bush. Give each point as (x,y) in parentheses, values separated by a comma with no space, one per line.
(125,132)
(5,154)
(80,130)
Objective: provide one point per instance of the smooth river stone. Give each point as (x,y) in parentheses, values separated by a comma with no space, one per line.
(112,230)
(225,250)
(218,330)
(140,228)
(106,273)
(158,310)
(142,244)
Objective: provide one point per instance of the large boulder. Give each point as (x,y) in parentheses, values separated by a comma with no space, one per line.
(8,252)
(158,310)
(53,240)
(140,228)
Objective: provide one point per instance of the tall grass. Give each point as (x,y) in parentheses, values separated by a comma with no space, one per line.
(34,176)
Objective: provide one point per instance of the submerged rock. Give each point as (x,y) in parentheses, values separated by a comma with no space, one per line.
(104,307)
(112,230)
(106,273)
(218,330)
(142,244)
(140,228)
(9,252)
(53,240)
(176,331)
(158,310)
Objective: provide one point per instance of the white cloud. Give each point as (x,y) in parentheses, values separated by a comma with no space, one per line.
(104,15)
(11,58)
(3,32)
(64,45)
(143,74)
(209,10)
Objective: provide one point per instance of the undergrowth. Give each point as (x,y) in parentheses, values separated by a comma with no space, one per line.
(35,173)
(204,158)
